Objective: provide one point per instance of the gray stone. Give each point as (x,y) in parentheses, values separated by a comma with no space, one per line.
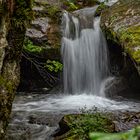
(41,23)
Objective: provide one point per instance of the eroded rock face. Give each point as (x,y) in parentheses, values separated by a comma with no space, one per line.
(12,32)
(121,24)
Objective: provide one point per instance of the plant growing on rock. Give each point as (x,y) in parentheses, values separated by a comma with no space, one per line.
(53,66)
(30,47)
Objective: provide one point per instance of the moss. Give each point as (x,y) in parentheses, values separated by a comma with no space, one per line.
(22,14)
(100,8)
(136,56)
(131,35)
(6,84)
(6,98)
(81,125)
(53,12)
(120,23)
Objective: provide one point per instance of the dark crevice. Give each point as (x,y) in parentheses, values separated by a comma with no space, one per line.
(34,76)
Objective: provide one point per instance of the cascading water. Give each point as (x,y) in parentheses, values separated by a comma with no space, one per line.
(84,53)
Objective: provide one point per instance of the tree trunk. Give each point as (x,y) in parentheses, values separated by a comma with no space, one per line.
(13,20)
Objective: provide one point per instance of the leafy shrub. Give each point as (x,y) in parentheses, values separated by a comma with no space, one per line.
(53,66)
(30,47)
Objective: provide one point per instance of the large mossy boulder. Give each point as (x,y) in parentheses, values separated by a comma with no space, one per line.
(99,125)
(14,16)
(121,24)
(78,126)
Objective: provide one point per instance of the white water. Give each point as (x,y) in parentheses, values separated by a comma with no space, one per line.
(109,2)
(70,103)
(84,52)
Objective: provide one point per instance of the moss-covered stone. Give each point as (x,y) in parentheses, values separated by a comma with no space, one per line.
(120,23)
(78,127)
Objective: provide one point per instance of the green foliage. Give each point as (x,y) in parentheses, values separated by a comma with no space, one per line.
(53,11)
(70,5)
(130,135)
(53,66)
(30,47)
(100,8)
(81,125)
(23,13)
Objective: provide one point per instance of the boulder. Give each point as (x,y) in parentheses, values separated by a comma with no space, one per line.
(78,126)
(121,25)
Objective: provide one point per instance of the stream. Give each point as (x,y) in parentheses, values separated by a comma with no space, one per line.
(36,116)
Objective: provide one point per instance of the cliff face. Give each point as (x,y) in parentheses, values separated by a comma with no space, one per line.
(120,24)
(14,15)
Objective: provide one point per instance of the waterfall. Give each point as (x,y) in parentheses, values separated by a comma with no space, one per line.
(84,53)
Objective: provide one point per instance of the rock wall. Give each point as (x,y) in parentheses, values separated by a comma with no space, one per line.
(14,14)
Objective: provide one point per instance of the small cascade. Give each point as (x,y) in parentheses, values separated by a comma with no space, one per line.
(84,53)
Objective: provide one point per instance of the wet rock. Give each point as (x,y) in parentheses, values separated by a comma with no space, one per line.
(124,91)
(126,121)
(116,122)
(41,24)
(44,119)
(120,23)
(36,36)
(44,30)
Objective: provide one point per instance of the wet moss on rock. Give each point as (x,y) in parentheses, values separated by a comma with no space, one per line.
(120,23)
(77,127)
